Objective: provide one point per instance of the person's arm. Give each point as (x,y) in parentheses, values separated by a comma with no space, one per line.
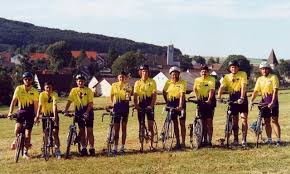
(244,82)
(210,96)
(254,95)
(36,119)
(90,101)
(181,101)
(154,98)
(12,106)
(220,92)
(67,106)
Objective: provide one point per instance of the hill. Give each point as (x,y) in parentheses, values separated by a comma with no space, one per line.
(15,34)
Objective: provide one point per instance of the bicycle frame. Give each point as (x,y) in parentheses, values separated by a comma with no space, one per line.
(73,137)
(48,142)
(111,132)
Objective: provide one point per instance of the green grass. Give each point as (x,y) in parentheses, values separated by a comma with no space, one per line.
(207,160)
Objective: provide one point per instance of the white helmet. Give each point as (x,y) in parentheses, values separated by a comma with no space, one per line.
(174,68)
(264,65)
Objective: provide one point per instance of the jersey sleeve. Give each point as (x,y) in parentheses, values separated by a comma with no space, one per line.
(16,92)
(225,81)
(90,95)
(36,95)
(41,99)
(211,84)
(136,87)
(112,89)
(71,95)
(55,99)
(275,82)
(244,78)
(154,87)
(257,86)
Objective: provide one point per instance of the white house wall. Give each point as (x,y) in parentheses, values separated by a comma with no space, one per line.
(160,79)
(104,88)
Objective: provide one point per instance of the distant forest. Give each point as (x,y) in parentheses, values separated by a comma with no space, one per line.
(16,35)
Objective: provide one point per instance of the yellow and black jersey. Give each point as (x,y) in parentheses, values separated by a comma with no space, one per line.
(81,97)
(234,83)
(266,85)
(144,90)
(47,102)
(119,91)
(25,98)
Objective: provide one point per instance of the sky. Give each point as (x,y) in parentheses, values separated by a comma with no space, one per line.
(197,27)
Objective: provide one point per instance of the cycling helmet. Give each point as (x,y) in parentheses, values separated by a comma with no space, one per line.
(204,67)
(80,77)
(144,67)
(27,75)
(174,68)
(233,63)
(264,65)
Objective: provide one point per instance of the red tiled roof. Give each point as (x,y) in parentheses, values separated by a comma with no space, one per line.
(6,55)
(90,54)
(37,56)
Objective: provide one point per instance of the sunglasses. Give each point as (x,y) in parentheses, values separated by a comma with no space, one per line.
(27,79)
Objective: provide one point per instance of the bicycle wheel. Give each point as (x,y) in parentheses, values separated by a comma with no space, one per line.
(141,136)
(192,143)
(69,143)
(169,136)
(46,144)
(110,140)
(228,131)
(198,133)
(19,143)
(155,138)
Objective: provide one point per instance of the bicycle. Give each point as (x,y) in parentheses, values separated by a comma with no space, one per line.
(73,137)
(20,138)
(258,125)
(143,131)
(111,133)
(229,121)
(167,134)
(48,142)
(196,132)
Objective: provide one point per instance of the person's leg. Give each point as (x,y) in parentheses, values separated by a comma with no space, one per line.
(268,129)
(183,131)
(176,131)
(236,128)
(124,131)
(116,137)
(244,118)
(277,128)
(209,130)
(16,130)
(83,138)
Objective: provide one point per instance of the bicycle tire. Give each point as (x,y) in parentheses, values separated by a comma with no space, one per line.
(77,139)
(110,140)
(19,143)
(198,133)
(69,143)
(169,136)
(191,136)
(46,145)
(228,131)
(155,138)
(141,136)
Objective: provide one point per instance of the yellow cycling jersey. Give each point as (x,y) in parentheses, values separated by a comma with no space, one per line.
(47,102)
(119,91)
(174,90)
(25,98)
(145,89)
(81,97)
(266,85)
(202,86)
(234,82)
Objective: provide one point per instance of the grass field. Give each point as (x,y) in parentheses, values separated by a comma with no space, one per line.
(267,159)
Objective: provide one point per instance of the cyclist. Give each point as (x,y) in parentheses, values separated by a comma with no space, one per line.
(27,97)
(174,95)
(48,107)
(120,97)
(236,84)
(268,85)
(204,90)
(145,97)
(82,97)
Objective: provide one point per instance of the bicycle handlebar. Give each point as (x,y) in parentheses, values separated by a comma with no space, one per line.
(261,105)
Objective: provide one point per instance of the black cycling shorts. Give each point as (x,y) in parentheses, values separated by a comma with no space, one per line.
(84,122)
(267,112)
(54,124)
(121,116)
(150,115)
(240,108)
(206,110)
(28,116)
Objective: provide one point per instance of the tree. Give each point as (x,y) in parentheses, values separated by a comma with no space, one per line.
(242,60)
(217,60)
(128,62)
(59,55)
(211,61)
(185,62)
(112,56)
(283,68)
(6,87)
(199,59)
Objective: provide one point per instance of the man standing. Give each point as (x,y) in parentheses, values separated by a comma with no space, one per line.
(204,89)
(27,97)
(236,84)
(145,97)
(82,97)
(268,85)
(174,95)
